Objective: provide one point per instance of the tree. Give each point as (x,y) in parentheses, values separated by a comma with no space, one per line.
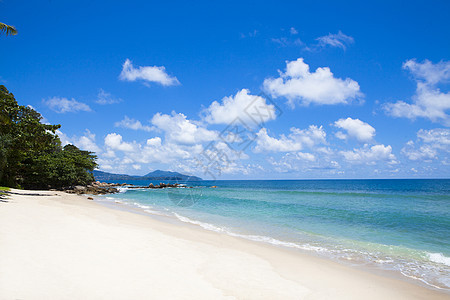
(31,154)
(7,29)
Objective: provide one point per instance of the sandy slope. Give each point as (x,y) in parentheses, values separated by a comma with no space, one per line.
(62,246)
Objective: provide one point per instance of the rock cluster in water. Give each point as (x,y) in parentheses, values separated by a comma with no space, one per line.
(95,188)
(161,186)
(166,185)
(102,188)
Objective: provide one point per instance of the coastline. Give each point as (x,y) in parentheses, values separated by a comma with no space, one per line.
(65,246)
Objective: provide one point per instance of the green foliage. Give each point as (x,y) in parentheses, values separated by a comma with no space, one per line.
(7,29)
(31,155)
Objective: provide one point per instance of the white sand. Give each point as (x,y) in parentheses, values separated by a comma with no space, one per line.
(67,247)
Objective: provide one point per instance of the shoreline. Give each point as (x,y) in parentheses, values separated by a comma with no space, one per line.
(277,244)
(65,246)
(177,220)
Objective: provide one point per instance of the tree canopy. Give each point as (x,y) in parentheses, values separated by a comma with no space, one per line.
(31,154)
(7,29)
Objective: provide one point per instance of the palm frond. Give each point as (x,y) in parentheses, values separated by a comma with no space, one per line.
(7,29)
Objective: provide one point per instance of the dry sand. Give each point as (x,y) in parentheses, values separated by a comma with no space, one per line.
(61,246)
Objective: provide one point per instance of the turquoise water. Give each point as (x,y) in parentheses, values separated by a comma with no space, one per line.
(400,225)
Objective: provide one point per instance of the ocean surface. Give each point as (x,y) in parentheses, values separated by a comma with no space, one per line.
(397,225)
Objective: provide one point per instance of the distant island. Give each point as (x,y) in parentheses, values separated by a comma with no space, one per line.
(155,175)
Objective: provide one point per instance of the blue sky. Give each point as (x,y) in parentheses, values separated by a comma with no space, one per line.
(349,89)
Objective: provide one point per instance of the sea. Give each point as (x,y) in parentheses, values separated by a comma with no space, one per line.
(402,226)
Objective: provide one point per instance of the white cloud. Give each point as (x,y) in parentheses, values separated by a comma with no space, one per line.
(305,156)
(293,31)
(154,151)
(355,128)
(284,42)
(127,160)
(183,141)
(429,144)
(63,105)
(425,152)
(307,163)
(319,87)
(109,153)
(105,164)
(65,140)
(179,129)
(84,142)
(104,98)
(295,141)
(439,137)
(338,40)
(428,102)
(154,142)
(370,155)
(250,109)
(151,151)
(87,142)
(149,74)
(427,71)
(114,141)
(264,142)
(132,124)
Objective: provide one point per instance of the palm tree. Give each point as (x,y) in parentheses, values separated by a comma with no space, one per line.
(7,29)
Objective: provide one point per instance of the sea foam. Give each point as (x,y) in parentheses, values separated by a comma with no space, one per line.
(439,258)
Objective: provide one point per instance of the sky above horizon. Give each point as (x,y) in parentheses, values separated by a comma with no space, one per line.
(240,90)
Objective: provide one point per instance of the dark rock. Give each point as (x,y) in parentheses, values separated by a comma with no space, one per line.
(96,188)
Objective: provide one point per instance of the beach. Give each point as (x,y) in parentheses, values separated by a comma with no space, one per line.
(59,246)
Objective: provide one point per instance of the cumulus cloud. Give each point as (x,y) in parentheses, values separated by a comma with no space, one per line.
(250,109)
(182,142)
(338,40)
(179,129)
(319,87)
(64,105)
(114,142)
(84,142)
(295,141)
(104,98)
(428,102)
(355,128)
(133,124)
(156,151)
(147,73)
(87,142)
(428,145)
(153,150)
(370,155)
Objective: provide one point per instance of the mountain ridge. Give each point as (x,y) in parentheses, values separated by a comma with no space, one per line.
(154,175)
